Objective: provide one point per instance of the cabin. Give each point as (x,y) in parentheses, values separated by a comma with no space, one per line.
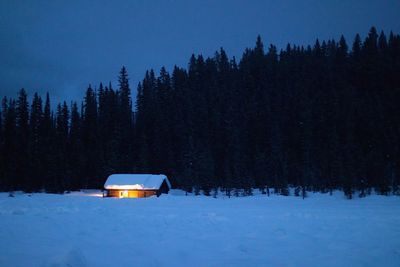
(136,185)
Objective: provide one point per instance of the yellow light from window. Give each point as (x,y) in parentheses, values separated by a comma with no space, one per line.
(123,194)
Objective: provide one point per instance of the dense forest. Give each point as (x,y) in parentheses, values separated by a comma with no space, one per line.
(318,118)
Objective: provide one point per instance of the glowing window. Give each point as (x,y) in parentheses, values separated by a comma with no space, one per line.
(123,193)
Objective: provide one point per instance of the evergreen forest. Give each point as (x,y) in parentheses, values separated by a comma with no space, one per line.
(320,117)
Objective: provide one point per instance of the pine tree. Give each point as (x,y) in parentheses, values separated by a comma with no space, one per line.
(125,123)
(61,179)
(90,159)
(75,149)
(47,145)
(36,165)
(22,131)
(10,158)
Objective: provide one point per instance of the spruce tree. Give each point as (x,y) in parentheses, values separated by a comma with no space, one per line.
(22,131)
(75,151)
(10,141)
(125,123)
(90,159)
(36,165)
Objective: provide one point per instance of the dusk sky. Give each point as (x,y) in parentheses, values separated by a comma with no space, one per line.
(62,46)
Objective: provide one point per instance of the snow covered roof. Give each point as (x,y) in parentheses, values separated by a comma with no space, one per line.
(136,181)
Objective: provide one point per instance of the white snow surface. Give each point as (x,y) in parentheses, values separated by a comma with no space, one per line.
(135,181)
(83,229)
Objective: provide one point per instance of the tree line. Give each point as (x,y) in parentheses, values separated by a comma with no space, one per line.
(318,118)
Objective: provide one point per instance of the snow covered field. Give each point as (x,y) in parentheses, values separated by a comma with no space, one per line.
(176,230)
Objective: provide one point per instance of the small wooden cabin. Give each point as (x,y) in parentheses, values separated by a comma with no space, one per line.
(136,185)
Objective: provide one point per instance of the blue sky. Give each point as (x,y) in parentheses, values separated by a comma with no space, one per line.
(62,46)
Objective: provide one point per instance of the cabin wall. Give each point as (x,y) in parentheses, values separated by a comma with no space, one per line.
(163,189)
(131,193)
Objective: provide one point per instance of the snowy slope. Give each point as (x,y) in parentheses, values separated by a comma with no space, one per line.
(177,230)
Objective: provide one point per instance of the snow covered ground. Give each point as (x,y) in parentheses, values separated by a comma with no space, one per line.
(176,230)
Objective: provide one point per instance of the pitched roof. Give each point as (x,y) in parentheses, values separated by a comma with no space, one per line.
(136,181)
